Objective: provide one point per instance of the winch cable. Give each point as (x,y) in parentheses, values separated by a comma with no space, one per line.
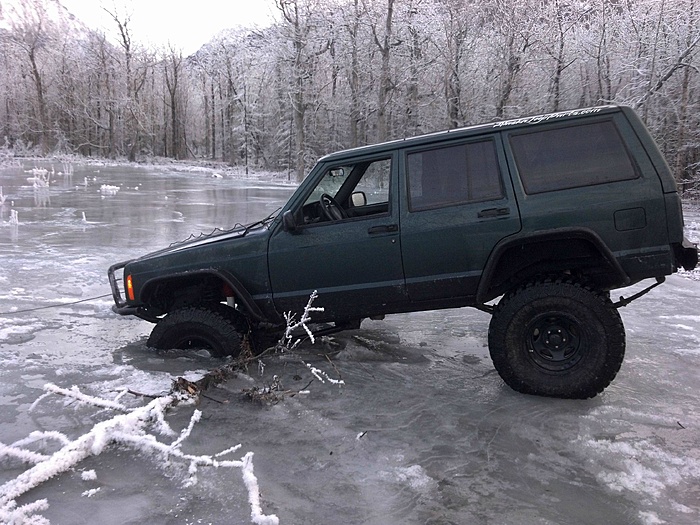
(56,305)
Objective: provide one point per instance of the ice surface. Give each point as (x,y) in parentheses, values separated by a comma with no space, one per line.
(422,431)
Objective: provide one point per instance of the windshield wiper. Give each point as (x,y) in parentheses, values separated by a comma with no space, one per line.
(241,229)
(263,222)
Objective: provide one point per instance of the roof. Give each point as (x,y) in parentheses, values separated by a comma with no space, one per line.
(473,130)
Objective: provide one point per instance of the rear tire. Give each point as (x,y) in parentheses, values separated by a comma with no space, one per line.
(196,328)
(557,339)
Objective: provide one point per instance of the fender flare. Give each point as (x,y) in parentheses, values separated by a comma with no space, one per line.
(558,234)
(244,297)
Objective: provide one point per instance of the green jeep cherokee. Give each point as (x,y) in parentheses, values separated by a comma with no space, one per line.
(549,213)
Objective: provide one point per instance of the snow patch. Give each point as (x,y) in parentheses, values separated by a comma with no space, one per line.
(414,476)
(641,467)
(16,332)
(88,475)
(684,327)
(90,493)
(650,518)
(107,189)
(687,351)
(694,318)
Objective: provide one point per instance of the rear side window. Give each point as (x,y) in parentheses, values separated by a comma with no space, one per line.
(453,175)
(571,157)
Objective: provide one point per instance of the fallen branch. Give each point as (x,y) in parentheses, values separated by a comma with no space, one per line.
(287,344)
(129,428)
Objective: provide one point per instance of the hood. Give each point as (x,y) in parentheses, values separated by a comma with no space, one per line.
(216,236)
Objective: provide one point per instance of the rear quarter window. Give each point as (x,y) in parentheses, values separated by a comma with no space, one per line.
(571,157)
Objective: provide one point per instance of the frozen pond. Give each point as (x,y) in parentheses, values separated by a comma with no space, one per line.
(422,432)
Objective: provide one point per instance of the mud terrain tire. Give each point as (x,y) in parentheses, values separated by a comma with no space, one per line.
(198,327)
(557,339)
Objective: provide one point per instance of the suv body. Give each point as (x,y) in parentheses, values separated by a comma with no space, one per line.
(568,205)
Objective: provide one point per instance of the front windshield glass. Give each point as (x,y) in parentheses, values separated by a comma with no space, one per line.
(330,183)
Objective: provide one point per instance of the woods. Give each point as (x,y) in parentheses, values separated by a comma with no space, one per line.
(333,74)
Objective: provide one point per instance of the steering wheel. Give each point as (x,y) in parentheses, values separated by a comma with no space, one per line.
(330,209)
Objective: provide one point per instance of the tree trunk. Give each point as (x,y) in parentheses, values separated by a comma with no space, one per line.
(385,85)
(41,102)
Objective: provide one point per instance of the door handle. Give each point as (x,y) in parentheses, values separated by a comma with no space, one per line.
(494,212)
(384,228)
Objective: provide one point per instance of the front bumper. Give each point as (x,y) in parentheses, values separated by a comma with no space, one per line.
(120,304)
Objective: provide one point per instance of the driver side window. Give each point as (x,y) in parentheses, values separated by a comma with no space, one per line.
(350,191)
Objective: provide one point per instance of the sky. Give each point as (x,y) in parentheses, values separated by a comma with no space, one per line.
(185,25)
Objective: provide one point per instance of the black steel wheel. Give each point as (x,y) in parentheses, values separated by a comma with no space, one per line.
(198,328)
(557,338)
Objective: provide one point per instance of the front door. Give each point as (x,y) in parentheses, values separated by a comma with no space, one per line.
(345,244)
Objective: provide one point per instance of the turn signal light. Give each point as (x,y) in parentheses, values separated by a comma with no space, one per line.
(129,288)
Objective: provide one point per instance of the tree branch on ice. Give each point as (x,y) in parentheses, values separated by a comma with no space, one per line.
(136,429)
(288,343)
(132,428)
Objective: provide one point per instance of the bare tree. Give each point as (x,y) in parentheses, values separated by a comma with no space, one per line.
(383,38)
(32,33)
(298,16)
(172,69)
(134,80)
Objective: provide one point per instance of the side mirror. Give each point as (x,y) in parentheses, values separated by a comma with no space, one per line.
(289,223)
(359,199)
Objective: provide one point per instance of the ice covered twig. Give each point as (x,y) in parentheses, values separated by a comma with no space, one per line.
(129,428)
(25,456)
(75,393)
(293,325)
(321,375)
(24,514)
(91,443)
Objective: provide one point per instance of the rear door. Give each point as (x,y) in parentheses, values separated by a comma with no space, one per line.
(457,203)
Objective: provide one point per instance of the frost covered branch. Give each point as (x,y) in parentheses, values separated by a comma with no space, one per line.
(136,428)
(320,375)
(292,325)
(286,344)
(129,428)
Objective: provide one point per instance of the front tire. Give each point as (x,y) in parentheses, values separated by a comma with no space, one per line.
(196,328)
(557,339)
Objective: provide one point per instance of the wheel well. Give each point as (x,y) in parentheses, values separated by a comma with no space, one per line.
(164,294)
(586,259)
(170,293)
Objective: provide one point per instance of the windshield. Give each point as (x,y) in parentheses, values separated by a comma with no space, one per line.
(330,183)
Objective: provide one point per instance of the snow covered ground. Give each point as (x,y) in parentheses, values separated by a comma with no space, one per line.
(422,432)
